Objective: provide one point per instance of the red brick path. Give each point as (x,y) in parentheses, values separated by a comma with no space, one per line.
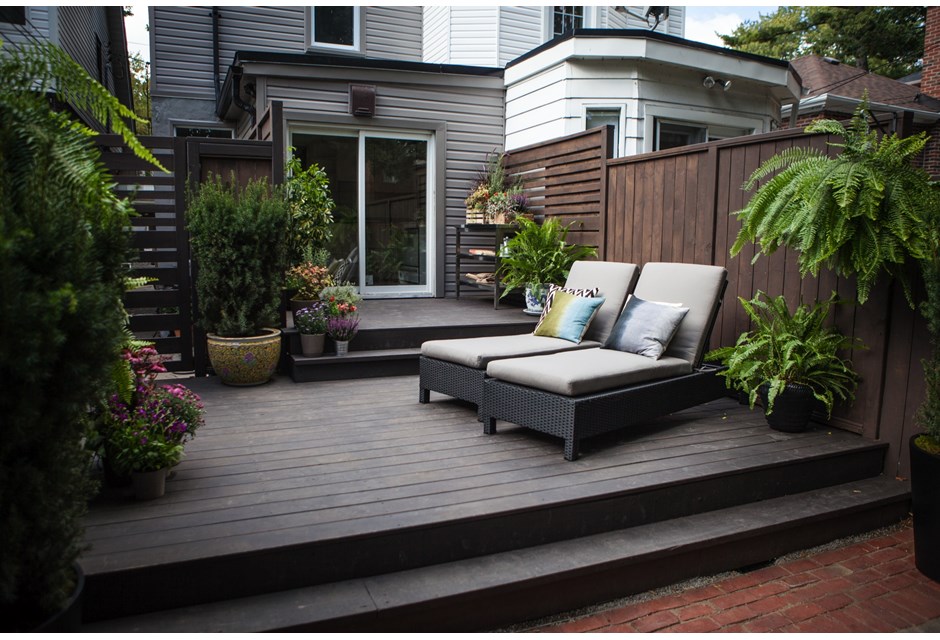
(866,586)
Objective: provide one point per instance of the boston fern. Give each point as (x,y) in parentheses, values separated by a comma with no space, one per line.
(784,348)
(859,213)
(539,254)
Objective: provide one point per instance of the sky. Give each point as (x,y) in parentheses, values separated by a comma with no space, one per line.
(701,24)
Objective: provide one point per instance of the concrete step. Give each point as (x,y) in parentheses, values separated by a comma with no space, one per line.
(494,590)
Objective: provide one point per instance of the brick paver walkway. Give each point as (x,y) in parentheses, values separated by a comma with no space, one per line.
(865,586)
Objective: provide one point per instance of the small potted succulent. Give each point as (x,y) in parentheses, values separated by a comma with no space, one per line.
(790,361)
(311,323)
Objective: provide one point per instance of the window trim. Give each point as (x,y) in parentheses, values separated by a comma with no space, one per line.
(358,35)
(694,117)
(619,137)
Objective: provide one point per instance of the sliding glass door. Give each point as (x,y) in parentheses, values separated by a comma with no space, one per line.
(383,220)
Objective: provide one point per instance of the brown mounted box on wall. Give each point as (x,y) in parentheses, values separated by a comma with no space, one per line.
(362,100)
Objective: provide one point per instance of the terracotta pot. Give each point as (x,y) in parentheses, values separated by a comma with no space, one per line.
(149,485)
(247,361)
(311,344)
(793,408)
(925,505)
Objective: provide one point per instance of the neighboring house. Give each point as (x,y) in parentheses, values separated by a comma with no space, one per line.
(402,105)
(832,89)
(93,36)
(659,91)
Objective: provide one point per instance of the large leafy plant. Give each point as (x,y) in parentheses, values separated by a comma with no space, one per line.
(311,209)
(784,348)
(860,213)
(539,254)
(239,240)
(63,251)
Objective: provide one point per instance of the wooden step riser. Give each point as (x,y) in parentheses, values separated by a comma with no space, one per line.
(412,337)
(151,589)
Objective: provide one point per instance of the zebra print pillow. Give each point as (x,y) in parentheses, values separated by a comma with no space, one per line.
(552,288)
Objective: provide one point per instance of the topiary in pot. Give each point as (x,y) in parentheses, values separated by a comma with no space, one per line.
(63,250)
(536,256)
(239,242)
(789,360)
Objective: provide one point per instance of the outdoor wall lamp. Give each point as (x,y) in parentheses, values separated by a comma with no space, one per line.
(710,82)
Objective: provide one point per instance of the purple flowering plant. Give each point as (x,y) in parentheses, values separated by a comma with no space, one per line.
(312,319)
(343,327)
(146,430)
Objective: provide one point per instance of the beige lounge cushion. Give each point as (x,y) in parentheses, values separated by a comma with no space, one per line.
(478,352)
(696,286)
(614,280)
(585,371)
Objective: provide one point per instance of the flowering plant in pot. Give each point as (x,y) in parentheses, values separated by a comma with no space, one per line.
(311,322)
(492,200)
(307,280)
(342,328)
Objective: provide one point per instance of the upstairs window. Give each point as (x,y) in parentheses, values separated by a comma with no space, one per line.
(335,27)
(567,19)
(13,15)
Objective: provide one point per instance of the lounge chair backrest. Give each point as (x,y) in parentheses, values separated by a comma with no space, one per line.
(696,286)
(614,280)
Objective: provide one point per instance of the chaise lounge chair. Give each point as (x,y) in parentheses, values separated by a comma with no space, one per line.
(575,395)
(457,367)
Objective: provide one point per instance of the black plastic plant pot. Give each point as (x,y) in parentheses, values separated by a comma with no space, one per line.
(793,408)
(925,504)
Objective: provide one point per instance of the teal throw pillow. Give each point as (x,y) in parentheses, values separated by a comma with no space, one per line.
(569,317)
(645,327)
(550,298)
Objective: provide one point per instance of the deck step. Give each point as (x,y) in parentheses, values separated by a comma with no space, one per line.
(373,363)
(306,556)
(509,587)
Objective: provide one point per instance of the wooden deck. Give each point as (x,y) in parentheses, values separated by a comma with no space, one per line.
(290,485)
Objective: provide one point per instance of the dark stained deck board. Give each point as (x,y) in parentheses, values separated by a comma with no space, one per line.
(270,468)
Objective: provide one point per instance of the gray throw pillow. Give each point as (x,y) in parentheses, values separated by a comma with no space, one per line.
(646,327)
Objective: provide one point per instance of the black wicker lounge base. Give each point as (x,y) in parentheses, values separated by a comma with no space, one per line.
(579,417)
(452,379)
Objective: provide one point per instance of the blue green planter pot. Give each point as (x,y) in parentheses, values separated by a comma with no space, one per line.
(246,361)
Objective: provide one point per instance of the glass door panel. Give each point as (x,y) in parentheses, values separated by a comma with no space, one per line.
(394,230)
(338,155)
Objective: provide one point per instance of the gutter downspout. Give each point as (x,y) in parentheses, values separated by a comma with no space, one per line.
(216,77)
(247,107)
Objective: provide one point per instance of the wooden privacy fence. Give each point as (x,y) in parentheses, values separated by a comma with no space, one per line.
(162,310)
(675,205)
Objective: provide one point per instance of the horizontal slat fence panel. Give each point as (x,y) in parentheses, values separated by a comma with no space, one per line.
(564,179)
(676,205)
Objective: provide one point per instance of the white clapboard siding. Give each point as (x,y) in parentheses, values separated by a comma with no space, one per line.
(436,36)
(520,31)
(611,19)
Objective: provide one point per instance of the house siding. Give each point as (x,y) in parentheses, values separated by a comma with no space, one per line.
(611,19)
(520,31)
(393,33)
(465,110)
(77,28)
(37,26)
(436,36)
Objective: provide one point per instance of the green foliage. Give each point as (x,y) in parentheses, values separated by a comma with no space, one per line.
(860,213)
(887,40)
(341,294)
(539,254)
(140,87)
(63,250)
(783,348)
(239,240)
(311,209)
(928,416)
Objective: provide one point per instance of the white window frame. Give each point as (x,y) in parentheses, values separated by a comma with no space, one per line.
(589,21)
(619,136)
(694,117)
(356,46)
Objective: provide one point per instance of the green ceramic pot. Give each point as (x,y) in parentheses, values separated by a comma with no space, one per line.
(247,361)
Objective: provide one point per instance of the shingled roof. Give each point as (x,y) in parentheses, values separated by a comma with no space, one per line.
(822,76)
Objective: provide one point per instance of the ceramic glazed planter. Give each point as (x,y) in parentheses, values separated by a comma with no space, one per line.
(69,618)
(792,409)
(925,505)
(245,362)
(535,298)
(311,344)
(149,485)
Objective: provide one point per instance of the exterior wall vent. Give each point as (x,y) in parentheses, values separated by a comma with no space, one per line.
(362,100)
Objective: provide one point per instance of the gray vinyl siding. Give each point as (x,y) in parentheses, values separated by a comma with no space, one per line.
(182,55)
(520,31)
(77,29)
(37,26)
(469,112)
(393,33)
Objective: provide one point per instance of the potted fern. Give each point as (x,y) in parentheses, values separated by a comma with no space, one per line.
(789,360)
(866,212)
(536,256)
(239,240)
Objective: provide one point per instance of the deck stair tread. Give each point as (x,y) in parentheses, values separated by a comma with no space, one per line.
(481,592)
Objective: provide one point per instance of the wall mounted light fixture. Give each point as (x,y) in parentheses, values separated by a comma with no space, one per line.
(710,82)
